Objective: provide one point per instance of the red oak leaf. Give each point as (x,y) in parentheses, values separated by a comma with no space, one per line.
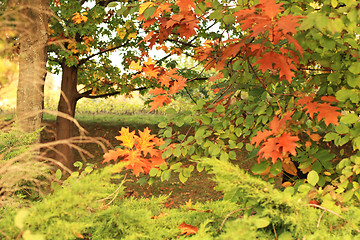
(188,229)
(261,136)
(178,85)
(269,149)
(329,113)
(157,91)
(287,144)
(158,101)
(185,5)
(270,8)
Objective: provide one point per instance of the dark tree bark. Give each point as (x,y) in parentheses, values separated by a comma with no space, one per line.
(64,124)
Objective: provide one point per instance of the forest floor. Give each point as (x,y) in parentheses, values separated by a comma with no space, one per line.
(198,188)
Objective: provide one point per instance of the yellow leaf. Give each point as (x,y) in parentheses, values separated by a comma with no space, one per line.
(135,66)
(126,137)
(145,6)
(188,203)
(121,32)
(132,35)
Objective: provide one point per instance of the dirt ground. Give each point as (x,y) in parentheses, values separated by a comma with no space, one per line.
(198,188)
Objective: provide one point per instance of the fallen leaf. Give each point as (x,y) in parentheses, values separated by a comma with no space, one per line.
(187,229)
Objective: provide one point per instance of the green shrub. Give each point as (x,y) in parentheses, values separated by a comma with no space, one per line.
(92,206)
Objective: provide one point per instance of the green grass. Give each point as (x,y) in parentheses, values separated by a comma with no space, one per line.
(115,119)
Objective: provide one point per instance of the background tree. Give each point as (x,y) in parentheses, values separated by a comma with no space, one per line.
(83,34)
(31,22)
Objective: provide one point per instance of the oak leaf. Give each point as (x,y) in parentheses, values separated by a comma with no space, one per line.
(126,137)
(187,229)
(287,144)
(158,101)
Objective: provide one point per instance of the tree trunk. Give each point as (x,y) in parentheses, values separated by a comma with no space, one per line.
(32,63)
(64,125)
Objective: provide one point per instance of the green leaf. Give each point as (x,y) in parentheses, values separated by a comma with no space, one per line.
(112,4)
(20,218)
(88,169)
(166,175)
(58,174)
(313,177)
(260,167)
(342,129)
(229,19)
(249,121)
(356,143)
(349,118)
(78,164)
(182,178)
(262,222)
(220,109)
(355,68)
(344,94)
(153,172)
(162,125)
(176,165)
(149,12)
(334,3)
(214,150)
(276,168)
(331,136)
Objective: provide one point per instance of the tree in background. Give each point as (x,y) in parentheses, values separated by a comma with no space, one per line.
(82,35)
(31,23)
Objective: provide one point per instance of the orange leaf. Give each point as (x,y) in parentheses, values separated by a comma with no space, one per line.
(315,137)
(126,137)
(79,235)
(185,5)
(144,142)
(188,229)
(329,113)
(288,143)
(114,155)
(159,101)
(260,136)
(271,8)
(178,85)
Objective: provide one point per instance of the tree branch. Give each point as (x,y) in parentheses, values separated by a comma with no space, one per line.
(82,61)
(87,93)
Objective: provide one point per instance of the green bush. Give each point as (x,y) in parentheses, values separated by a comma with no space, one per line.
(91,205)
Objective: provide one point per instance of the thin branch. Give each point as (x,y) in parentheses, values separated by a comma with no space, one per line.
(101,52)
(328,210)
(321,215)
(187,90)
(87,93)
(181,42)
(235,211)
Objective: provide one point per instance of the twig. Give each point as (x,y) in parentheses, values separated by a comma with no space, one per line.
(322,214)
(276,237)
(116,192)
(328,210)
(325,209)
(227,216)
